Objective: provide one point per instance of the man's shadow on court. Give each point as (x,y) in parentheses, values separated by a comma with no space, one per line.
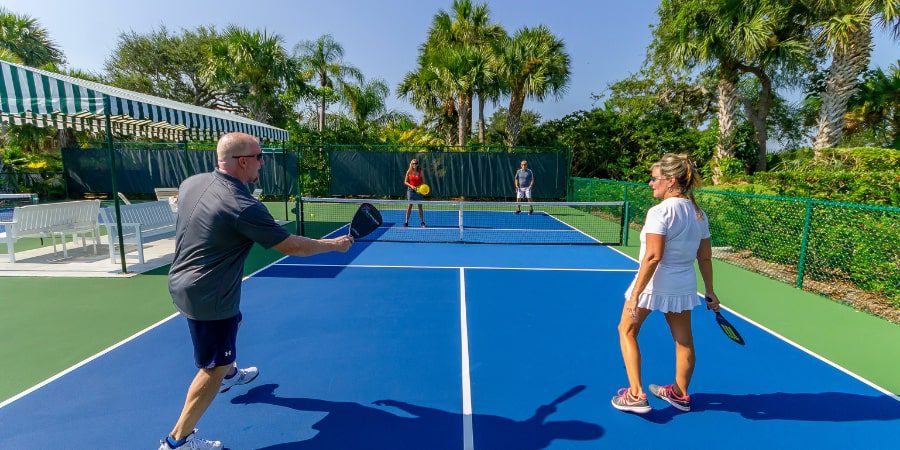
(804,407)
(350,425)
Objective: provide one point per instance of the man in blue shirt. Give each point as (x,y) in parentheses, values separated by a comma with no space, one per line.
(524,182)
(218,222)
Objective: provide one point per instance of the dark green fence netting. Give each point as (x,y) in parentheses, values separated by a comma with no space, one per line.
(449,174)
(142,170)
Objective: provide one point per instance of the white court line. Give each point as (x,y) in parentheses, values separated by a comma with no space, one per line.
(381,266)
(468,436)
(817,356)
(107,350)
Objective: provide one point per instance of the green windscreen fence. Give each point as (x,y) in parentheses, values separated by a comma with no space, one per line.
(141,170)
(846,251)
(365,172)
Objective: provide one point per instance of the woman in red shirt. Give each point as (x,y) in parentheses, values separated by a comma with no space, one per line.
(413,179)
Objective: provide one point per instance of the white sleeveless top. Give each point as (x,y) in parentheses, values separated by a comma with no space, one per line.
(673,287)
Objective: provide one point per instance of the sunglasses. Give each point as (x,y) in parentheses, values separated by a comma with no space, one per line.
(258,156)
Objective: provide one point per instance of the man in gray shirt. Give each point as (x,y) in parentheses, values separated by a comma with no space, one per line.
(218,222)
(524,182)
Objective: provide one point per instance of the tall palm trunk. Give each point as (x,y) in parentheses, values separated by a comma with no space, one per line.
(759,115)
(848,61)
(321,114)
(465,118)
(323,82)
(449,113)
(728,102)
(66,138)
(480,118)
(514,116)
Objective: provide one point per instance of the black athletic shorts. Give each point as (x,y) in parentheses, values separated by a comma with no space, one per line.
(215,341)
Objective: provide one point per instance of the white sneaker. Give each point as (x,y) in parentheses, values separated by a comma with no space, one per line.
(193,444)
(243,376)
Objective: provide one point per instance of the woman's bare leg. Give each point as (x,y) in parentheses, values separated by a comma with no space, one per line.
(680,326)
(631,352)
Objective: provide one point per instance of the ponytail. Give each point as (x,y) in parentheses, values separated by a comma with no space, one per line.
(683,169)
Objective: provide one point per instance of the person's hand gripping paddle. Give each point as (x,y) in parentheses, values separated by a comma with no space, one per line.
(726,326)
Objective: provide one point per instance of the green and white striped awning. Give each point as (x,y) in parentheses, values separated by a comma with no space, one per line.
(41,98)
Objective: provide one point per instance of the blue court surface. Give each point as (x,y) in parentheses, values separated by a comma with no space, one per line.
(454,346)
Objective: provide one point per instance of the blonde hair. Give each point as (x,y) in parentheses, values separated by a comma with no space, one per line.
(684,171)
(410,169)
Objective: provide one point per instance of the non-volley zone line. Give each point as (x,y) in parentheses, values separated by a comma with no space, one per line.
(399,266)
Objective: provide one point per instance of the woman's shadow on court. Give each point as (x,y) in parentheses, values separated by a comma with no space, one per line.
(350,425)
(805,407)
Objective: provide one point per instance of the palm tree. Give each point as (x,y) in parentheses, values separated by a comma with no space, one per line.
(876,106)
(366,104)
(460,44)
(425,89)
(769,39)
(7,55)
(256,69)
(532,63)
(687,36)
(846,31)
(322,59)
(22,36)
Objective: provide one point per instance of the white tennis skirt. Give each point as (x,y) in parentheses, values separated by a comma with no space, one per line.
(665,302)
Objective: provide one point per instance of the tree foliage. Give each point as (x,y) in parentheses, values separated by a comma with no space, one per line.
(169,65)
(22,38)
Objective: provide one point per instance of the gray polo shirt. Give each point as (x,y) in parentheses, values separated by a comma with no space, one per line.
(218,222)
(525,177)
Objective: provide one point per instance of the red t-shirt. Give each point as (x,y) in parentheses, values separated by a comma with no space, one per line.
(414,178)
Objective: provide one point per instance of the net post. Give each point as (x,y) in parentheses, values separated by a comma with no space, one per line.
(300,217)
(285,179)
(804,241)
(111,157)
(460,221)
(625,218)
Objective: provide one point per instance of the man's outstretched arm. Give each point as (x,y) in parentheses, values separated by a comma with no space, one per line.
(304,246)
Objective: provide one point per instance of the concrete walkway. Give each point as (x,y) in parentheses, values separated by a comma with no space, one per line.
(83,263)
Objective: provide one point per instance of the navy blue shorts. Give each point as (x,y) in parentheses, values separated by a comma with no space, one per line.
(411,194)
(215,341)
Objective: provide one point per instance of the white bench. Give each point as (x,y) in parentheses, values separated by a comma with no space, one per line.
(50,220)
(140,221)
(168,194)
(165,193)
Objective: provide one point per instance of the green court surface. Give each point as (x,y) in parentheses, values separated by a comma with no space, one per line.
(51,324)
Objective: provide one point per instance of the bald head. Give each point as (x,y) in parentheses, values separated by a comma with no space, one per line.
(237,155)
(235,144)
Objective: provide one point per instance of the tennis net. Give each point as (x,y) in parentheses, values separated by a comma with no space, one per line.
(572,223)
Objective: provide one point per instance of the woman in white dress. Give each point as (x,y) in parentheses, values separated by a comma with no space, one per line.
(675,234)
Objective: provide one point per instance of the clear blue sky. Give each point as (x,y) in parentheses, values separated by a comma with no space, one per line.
(606,39)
